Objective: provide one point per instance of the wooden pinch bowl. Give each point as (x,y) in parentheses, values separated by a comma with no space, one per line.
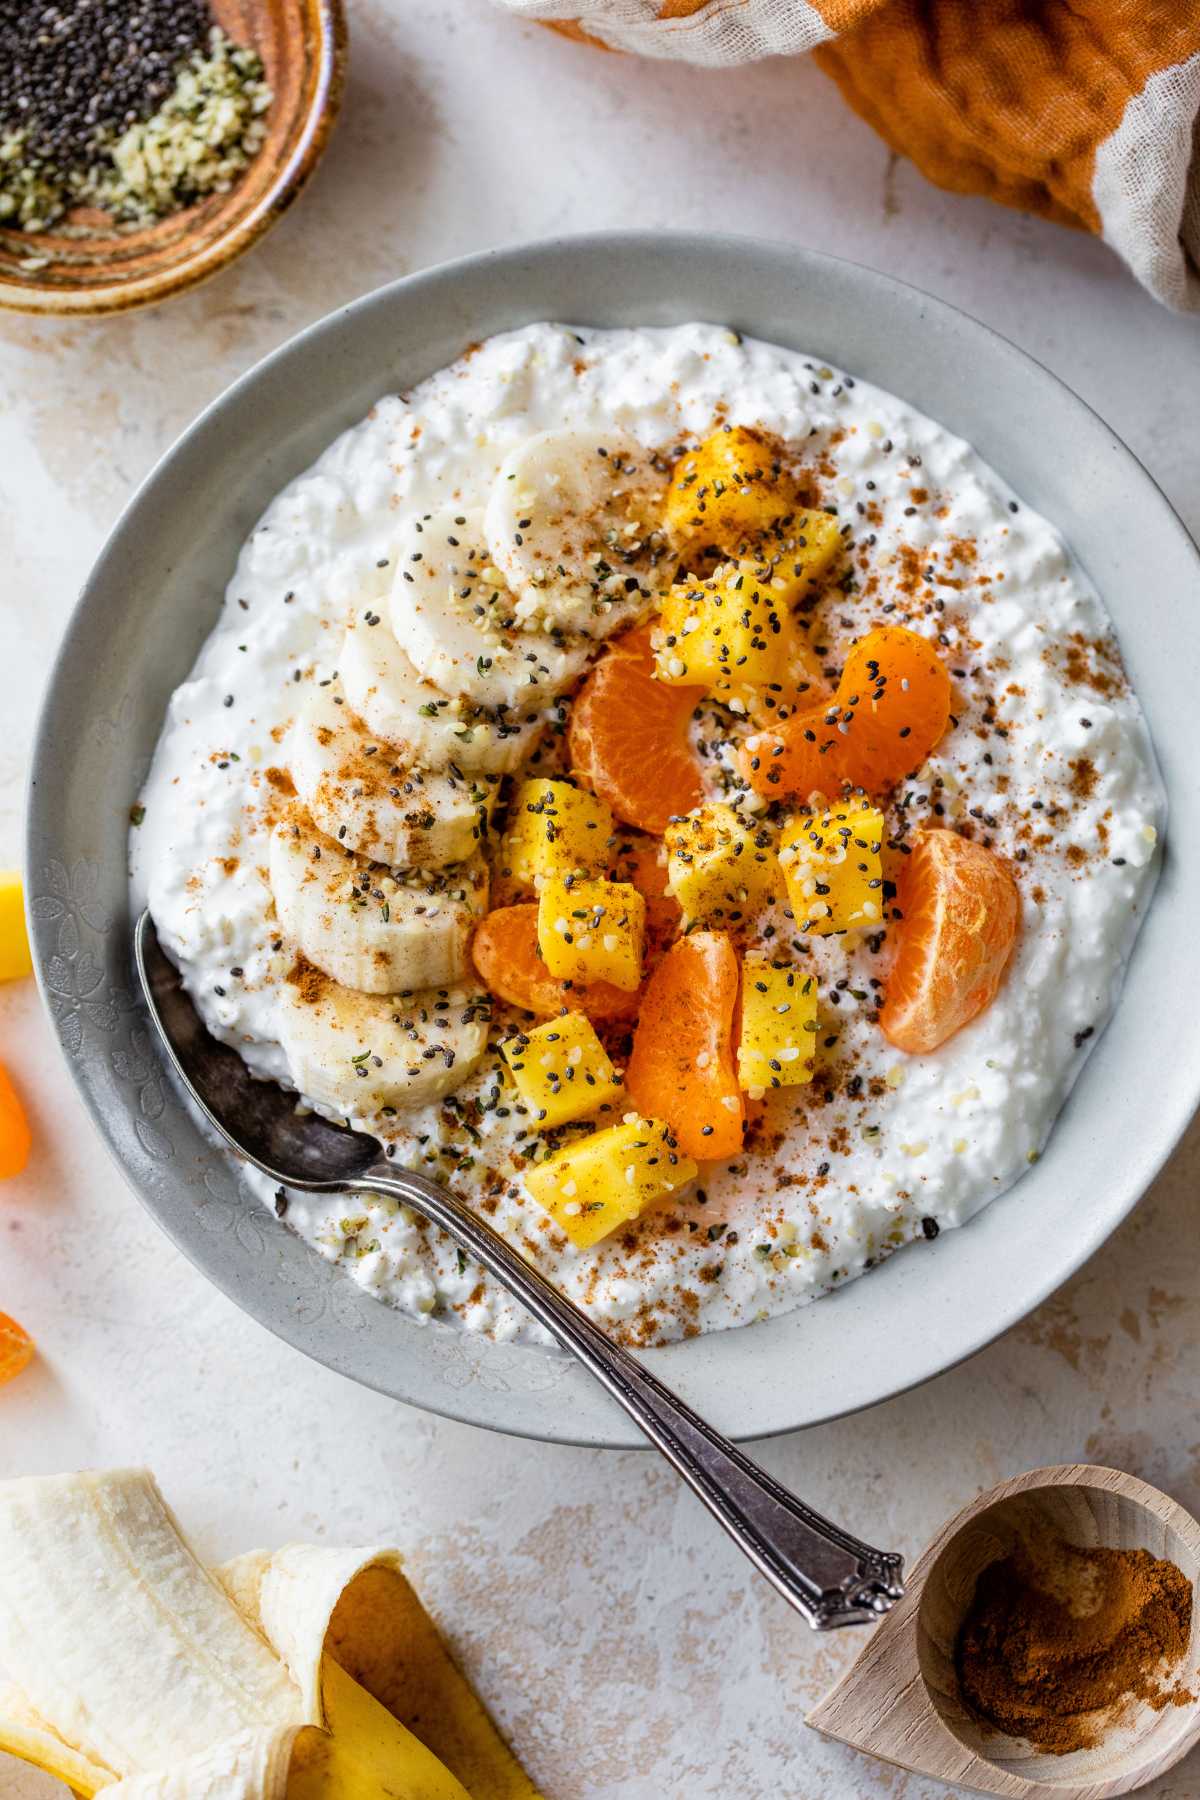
(86,265)
(899,1700)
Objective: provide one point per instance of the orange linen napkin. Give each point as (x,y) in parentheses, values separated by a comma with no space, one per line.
(1085,111)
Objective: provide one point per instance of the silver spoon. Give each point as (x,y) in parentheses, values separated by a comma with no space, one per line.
(825,1573)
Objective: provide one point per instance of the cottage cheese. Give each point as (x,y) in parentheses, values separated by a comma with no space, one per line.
(1048,758)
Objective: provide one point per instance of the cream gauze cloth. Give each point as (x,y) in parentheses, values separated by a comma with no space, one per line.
(1085,111)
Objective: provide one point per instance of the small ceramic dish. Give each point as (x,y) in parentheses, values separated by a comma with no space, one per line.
(155,594)
(90,266)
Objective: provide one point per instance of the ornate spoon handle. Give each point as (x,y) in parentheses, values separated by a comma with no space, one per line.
(826,1574)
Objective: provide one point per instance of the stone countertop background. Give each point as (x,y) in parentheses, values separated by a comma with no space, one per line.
(622,1643)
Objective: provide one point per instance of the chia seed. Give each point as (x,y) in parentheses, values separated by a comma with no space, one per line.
(134,106)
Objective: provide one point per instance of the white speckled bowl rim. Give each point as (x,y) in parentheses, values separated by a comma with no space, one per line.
(153,596)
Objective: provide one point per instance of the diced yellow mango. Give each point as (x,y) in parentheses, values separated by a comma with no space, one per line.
(15,957)
(796,563)
(555,829)
(729,492)
(779,1022)
(719,869)
(561,1070)
(604,1180)
(732,636)
(592,931)
(830,862)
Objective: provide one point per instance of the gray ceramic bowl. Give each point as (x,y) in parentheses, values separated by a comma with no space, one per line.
(153,597)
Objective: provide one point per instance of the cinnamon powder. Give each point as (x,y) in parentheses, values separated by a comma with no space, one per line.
(1058,1639)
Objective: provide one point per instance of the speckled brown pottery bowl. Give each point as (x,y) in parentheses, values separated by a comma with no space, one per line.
(87,265)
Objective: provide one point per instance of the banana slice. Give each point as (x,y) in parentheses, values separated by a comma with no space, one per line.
(456,621)
(359,1053)
(428,727)
(572,524)
(394,812)
(364,926)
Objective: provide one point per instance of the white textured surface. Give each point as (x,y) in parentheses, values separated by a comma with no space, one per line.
(623,1644)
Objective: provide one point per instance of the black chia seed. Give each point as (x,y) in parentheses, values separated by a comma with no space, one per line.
(74,74)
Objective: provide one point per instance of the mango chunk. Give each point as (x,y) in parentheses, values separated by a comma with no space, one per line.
(604,1180)
(592,931)
(730,492)
(797,563)
(732,636)
(830,862)
(777,1042)
(719,869)
(15,957)
(561,1070)
(555,829)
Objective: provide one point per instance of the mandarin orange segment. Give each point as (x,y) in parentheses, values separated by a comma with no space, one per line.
(891,708)
(15,1138)
(629,740)
(642,862)
(797,759)
(681,1068)
(16,1348)
(895,697)
(960,910)
(505,950)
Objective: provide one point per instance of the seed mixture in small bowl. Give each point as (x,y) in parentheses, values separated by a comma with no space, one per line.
(143,143)
(672,791)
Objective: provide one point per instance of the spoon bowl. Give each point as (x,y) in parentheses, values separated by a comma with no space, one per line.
(901,1701)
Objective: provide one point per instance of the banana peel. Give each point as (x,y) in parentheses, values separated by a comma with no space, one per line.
(303,1674)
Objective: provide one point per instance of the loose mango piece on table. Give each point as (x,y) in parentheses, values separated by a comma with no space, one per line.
(719,868)
(592,931)
(561,1070)
(831,865)
(604,1180)
(729,492)
(15,957)
(16,1348)
(777,1041)
(15,1139)
(554,829)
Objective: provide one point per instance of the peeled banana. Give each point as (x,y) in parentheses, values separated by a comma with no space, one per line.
(365,926)
(454,618)
(360,1053)
(572,526)
(359,794)
(420,723)
(292,1675)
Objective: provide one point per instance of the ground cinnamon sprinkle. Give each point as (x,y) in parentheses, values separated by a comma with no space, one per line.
(1057,1637)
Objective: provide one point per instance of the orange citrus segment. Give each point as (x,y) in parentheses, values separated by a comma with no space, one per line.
(894,695)
(14,1129)
(505,949)
(891,708)
(638,861)
(960,910)
(16,1348)
(628,737)
(681,1068)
